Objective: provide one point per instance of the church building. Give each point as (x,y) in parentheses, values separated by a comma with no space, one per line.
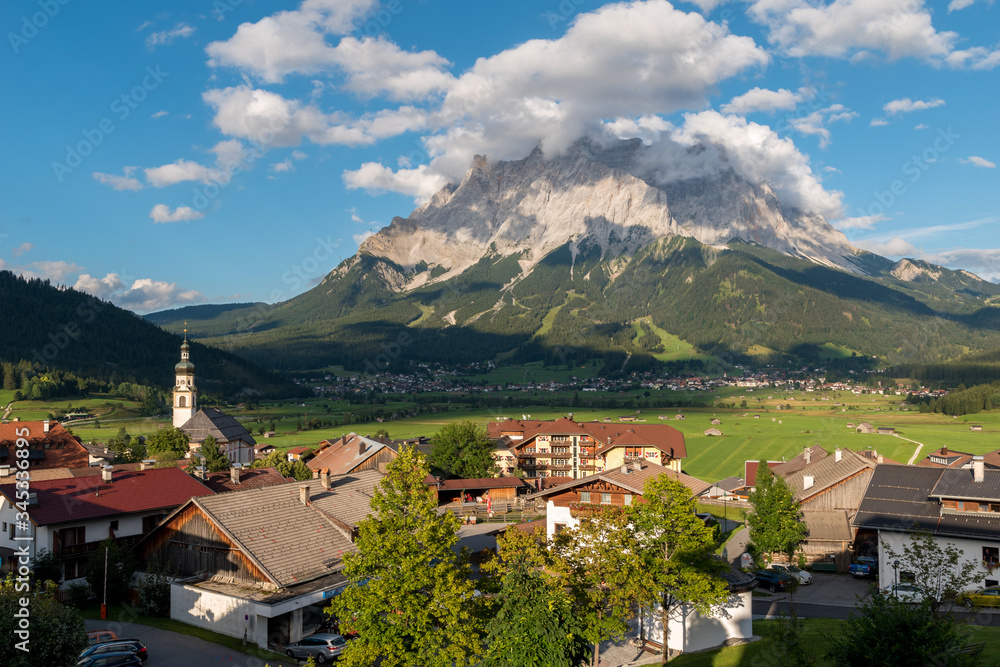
(233,439)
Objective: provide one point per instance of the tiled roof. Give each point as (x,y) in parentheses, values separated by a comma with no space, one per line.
(350,496)
(250,478)
(56,449)
(750,470)
(960,485)
(729,483)
(80,498)
(954,459)
(631,480)
(828,525)
(826,472)
(211,422)
(799,462)
(900,498)
(341,457)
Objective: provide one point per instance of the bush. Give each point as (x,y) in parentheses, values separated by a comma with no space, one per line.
(154,592)
(79,594)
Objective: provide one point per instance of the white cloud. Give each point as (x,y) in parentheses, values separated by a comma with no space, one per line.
(761,99)
(181,30)
(878,122)
(299,155)
(375,66)
(102,288)
(419,182)
(126,182)
(290,41)
(160,114)
(860,222)
(977,161)
(22,249)
(921,126)
(179,172)
(845,28)
(162,213)
(976,58)
(272,120)
(894,247)
(906,105)
(54,271)
(147,295)
(647,128)
(956,5)
(285,166)
(360,238)
(815,122)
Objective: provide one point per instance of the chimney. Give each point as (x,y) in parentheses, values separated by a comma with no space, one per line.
(147,464)
(106,473)
(837,455)
(32,500)
(234,473)
(343,439)
(624,468)
(324,478)
(944,450)
(45,426)
(879,459)
(199,472)
(978,468)
(4,470)
(304,494)
(361,446)
(807,482)
(637,465)
(807,455)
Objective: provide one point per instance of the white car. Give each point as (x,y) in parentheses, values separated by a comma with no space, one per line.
(803,577)
(908,593)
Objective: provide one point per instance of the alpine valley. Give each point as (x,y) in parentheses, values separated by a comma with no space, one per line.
(599,253)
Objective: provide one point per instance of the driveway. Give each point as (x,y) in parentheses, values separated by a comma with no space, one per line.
(172,649)
(829,596)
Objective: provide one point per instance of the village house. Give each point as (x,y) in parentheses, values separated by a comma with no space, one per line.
(239,478)
(70,517)
(689,630)
(566,448)
(352,453)
(49,445)
(959,507)
(262,563)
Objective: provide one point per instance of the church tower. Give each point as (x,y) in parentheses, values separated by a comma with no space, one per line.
(185,393)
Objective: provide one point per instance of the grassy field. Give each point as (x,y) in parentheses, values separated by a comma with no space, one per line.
(819,635)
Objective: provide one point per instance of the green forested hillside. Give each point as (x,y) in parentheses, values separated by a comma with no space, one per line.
(71,331)
(744,303)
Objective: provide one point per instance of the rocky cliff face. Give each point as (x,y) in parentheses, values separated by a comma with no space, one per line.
(608,196)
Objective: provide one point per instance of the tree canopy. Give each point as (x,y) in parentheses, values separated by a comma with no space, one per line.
(410,597)
(54,633)
(215,461)
(464,450)
(774,523)
(168,440)
(941,572)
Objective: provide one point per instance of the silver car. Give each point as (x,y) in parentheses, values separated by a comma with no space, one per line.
(323,646)
(803,577)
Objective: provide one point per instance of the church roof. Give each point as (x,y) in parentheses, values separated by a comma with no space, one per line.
(212,422)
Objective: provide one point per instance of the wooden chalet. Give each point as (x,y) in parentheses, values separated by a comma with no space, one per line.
(352,453)
(49,445)
(272,553)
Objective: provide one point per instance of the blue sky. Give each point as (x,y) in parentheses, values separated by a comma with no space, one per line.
(164,154)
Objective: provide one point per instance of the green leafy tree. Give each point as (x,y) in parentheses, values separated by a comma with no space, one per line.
(154,590)
(46,567)
(788,645)
(55,631)
(121,565)
(533,621)
(170,441)
(676,548)
(941,572)
(215,461)
(774,523)
(464,450)
(889,632)
(127,449)
(409,598)
(600,564)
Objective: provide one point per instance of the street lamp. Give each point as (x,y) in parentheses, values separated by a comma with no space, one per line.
(895,572)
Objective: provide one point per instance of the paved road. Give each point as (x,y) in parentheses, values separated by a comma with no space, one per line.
(770,608)
(172,649)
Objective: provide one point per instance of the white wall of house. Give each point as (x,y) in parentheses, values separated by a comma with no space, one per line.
(554,515)
(217,612)
(691,631)
(971,549)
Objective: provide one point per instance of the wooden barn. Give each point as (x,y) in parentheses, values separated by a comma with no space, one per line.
(500,489)
(352,453)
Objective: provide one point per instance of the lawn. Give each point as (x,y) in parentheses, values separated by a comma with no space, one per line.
(819,635)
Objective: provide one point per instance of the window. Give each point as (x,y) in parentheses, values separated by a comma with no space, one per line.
(634,452)
(114,524)
(992,582)
(991,555)
(605,498)
(560,450)
(559,473)
(560,462)
(181,402)
(585,496)
(627,498)
(559,527)
(907,578)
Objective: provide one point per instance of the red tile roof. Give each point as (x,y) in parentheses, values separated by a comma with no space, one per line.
(221,482)
(64,449)
(81,498)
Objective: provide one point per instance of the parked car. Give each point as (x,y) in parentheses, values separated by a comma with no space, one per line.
(984,597)
(323,646)
(909,593)
(117,646)
(865,566)
(97,636)
(773,580)
(804,577)
(120,659)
